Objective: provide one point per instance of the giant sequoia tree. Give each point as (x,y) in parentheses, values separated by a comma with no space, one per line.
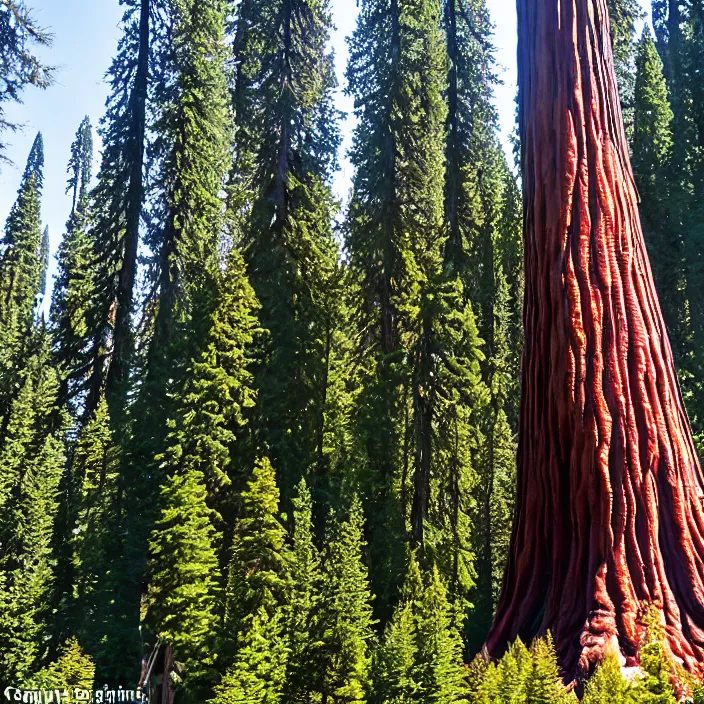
(609,512)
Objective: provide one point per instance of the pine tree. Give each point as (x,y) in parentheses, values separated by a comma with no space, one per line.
(73,293)
(394,660)
(31,462)
(19,67)
(655,687)
(417,334)
(20,271)
(258,673)
(44,263)
(483,221)
(303,676)
(72,670)
(286,147)
(624,14)
(184,579)
(184,564)
(652,154)
(344,624)
(218,391)
(504,681)
(116,206)
(258,572)
(87,519)
(192,147)
(439,666)
(608,685)
(544,685)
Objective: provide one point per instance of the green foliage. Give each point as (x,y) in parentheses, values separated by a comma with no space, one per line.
(258,673)
(394,661)
(31,462)
(19,67)
(183,589)
(20,272)
(608,685)
(344,622)
(116,208)
(522,676)
(624,15)
(73,293)
(286,124)
(440,673)
(303,676)
(258,569)
(72,670)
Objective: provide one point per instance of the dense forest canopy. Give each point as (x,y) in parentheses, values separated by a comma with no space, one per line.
(261,445)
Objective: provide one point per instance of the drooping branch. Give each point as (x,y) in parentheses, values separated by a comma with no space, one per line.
(609,511)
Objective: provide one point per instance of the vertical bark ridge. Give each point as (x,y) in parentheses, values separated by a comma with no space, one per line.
(609,513)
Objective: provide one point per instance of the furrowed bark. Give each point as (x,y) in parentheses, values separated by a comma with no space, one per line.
(609,510)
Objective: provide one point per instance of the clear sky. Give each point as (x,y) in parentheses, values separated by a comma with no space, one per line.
(85,36)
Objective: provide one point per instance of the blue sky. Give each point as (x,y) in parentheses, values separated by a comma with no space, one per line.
(85,36)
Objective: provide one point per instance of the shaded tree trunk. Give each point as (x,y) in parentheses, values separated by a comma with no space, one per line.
(609,515)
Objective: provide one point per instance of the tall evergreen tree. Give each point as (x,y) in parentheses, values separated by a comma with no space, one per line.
(344,623)
(73,293)
(258,571)
(440,671)
(20,272)
(185,541)
(417,333)
(258,672)
(184,581)
(624,14)
(303,675)
(31,462)
(287,139)
(191,157)
(652,163)
(117,203)
(88,517)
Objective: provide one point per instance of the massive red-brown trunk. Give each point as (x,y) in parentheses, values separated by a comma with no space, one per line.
(609,511)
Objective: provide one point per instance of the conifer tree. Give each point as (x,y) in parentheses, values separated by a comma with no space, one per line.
(184,580)
(258,673)
(394,660)
(504,681)
(73,293)
(286,147)
(344,624)
(87,521)
(652,154)
(72,670)
(192,146)
(184,545)
(20,271)
(608,685)
(624,14)
(19,67)
(303,676)
(190,153)
(31,462)
(44,262)
(482,215)
(440,672)
(117,203)
(258,571)
(416,331)
(544,685)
